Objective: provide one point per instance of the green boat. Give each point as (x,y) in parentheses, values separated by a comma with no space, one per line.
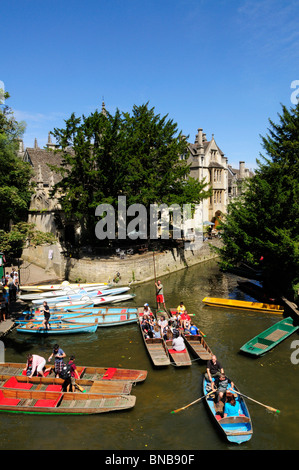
(269,338)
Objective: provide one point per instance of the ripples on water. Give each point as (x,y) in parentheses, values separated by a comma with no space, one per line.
(150,425)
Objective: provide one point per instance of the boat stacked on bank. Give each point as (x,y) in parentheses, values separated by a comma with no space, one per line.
(99,390)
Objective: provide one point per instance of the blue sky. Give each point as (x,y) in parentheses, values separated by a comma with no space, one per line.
(225,66)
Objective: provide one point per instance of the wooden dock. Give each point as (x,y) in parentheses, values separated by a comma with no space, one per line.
(6,326)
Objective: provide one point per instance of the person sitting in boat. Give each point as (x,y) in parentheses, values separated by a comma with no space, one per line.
(185,320)
(193,330)
(178,343)
(214,369)
(36,364)
(181,308)
(147,310)
(163,323)
(231,407)
(157,332)
(222,383)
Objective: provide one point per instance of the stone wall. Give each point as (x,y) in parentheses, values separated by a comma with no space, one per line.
(134,268)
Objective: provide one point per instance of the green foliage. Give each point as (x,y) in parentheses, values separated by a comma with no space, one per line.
(15,191)
(23,234)
(134,155)
(262,227)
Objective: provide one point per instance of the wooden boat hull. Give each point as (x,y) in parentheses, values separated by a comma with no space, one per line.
(198,346)
(271,337)
(60,328)
(104,387)
(236,429)
(36,402)
(155,347)
(181,359)
(86,372)
(242,304)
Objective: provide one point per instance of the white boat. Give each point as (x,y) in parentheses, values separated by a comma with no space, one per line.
(87,302)
(81,295)
(61,292)
(63,285)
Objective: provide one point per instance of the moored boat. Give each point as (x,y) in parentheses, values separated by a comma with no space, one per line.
(87,372)
(81,295)
(106,317)
(242,304)
(51,402)
(198,346)
(236,429)
(58,328)
(63,285)
(269,338)
(155,347)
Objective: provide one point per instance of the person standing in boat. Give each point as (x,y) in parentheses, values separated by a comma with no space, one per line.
(160,294)
(47,315)
(59,354)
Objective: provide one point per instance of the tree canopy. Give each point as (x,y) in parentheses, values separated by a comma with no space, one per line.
(139,155)
(262,226)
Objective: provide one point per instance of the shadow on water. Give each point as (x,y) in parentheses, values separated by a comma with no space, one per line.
(150,425)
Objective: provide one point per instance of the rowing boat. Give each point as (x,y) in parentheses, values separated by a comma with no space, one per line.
(63,285)
(106,387)
(37,402)
(242,304)
(198,346)
(268,339)
(86,372)
(237,429)
(105,317)
(155,346)
(62,292)
(60,327)
(81,295)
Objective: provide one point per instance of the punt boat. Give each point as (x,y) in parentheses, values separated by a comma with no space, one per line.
(242,304)
(198,346)
(59,403)
(63,285)
(58,328)
(155,347)
(86,372)
(21,382)
(86,294)
(236,429)
(271,337)
(105,317)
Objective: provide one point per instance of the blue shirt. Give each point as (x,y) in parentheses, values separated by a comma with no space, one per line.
(231,410)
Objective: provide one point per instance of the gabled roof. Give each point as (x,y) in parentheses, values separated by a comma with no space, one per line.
(39,159)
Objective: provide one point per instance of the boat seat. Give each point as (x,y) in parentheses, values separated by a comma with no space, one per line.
(54,388)
(13,383)
(109,374)
(8,401)
(48,403)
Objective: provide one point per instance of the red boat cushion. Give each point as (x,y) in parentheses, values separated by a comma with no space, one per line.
(172,351)
(110,373)
(8,401)
(123,310)
(123,317)
(47,403)
(13,383)
(54,388)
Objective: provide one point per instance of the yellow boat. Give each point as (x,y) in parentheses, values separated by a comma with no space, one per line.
(242,304)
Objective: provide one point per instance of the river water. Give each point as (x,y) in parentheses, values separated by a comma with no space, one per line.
(150,425)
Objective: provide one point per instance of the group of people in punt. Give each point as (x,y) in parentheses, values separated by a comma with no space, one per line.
(36,366)
(223,388)
(168,328)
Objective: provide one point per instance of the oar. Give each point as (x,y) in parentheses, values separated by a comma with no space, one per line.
(196,401)
(259,403)
(80,388)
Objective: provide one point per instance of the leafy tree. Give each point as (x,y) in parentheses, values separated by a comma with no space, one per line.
(23,234)
(262,227)
(15,192)
(134,155)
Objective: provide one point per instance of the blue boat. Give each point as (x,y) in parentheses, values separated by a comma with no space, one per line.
(236,429)
(58,328)
(106,317)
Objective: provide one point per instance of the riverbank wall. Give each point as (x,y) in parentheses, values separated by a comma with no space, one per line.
(133,269)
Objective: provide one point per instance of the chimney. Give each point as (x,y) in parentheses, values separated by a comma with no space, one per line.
(242,170)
